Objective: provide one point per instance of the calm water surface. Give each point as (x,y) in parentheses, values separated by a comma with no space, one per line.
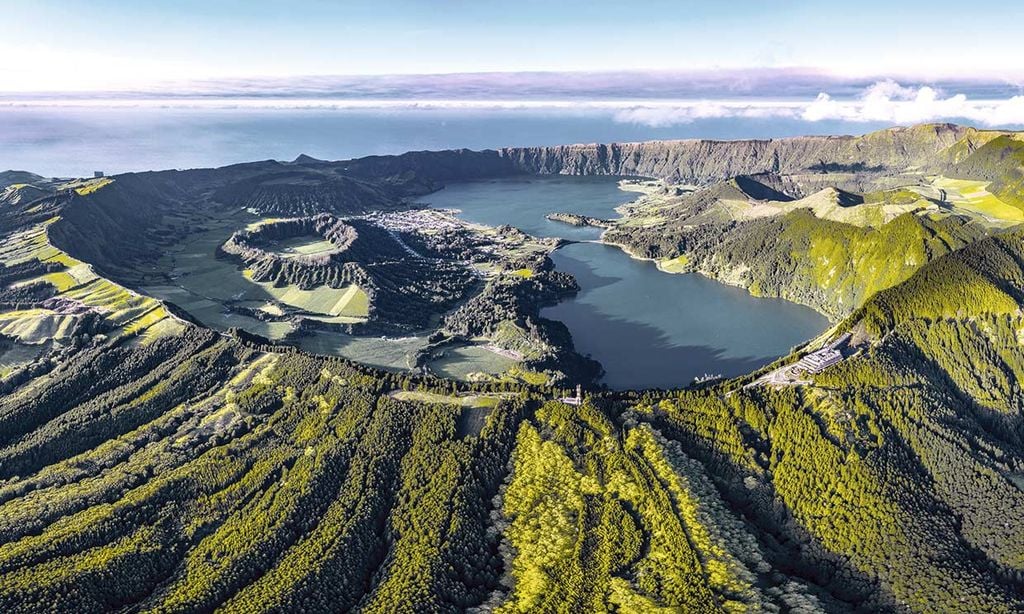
(657,330)
(647,328)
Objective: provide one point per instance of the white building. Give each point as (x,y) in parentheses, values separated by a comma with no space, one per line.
(816,361)
(576,400)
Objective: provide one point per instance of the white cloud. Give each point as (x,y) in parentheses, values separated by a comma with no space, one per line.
(660,116)
(885,101)
(882,102)
(675,113)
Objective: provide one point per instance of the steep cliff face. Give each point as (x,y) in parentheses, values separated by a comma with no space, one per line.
(701,161)
(94,227)
(892,150)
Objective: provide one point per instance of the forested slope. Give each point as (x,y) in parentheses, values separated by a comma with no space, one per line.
(828,265)
(284,482)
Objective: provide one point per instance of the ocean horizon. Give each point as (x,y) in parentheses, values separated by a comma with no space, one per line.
(76,141)
(218,123)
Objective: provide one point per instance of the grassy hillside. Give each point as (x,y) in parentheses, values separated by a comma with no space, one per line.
(829,265)
(1000,160)
(832,235)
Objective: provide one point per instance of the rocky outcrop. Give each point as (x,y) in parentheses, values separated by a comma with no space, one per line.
(575,219)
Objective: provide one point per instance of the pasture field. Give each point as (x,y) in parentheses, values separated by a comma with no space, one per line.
(36,326)
(974,196)
(82,272)
(386,353)
(349,301)
(214,314)
(26,245)
(121,305)
(674,265)
(146,320)
(475,401)
(78,282)
(161,328)
(88,186)
(533,378)
(462,362)
(827,204)
(303,246)
(16,355)
(334,319)
(77,275)
(61,280)
(524,273)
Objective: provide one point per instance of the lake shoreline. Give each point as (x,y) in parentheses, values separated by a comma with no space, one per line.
(649,330)
(676,327)
(623,210)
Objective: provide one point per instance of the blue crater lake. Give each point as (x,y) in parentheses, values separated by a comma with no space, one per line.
(649,329)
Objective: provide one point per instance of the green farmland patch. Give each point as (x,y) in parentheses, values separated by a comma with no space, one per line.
(35,326)
(384,352)
(463,362)
(303,246)
(349,301)
(974,196)
(13,355)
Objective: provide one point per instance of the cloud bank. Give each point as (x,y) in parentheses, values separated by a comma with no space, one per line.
(884,101)
(656,101)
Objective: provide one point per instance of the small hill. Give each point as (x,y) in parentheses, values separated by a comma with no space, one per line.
(306,159)
(756,187)
(1001,161)
(9,178)
(17,194)
(983,279)
(299,191)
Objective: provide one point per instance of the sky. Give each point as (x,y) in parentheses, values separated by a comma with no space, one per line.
(65,45)
(482,73)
